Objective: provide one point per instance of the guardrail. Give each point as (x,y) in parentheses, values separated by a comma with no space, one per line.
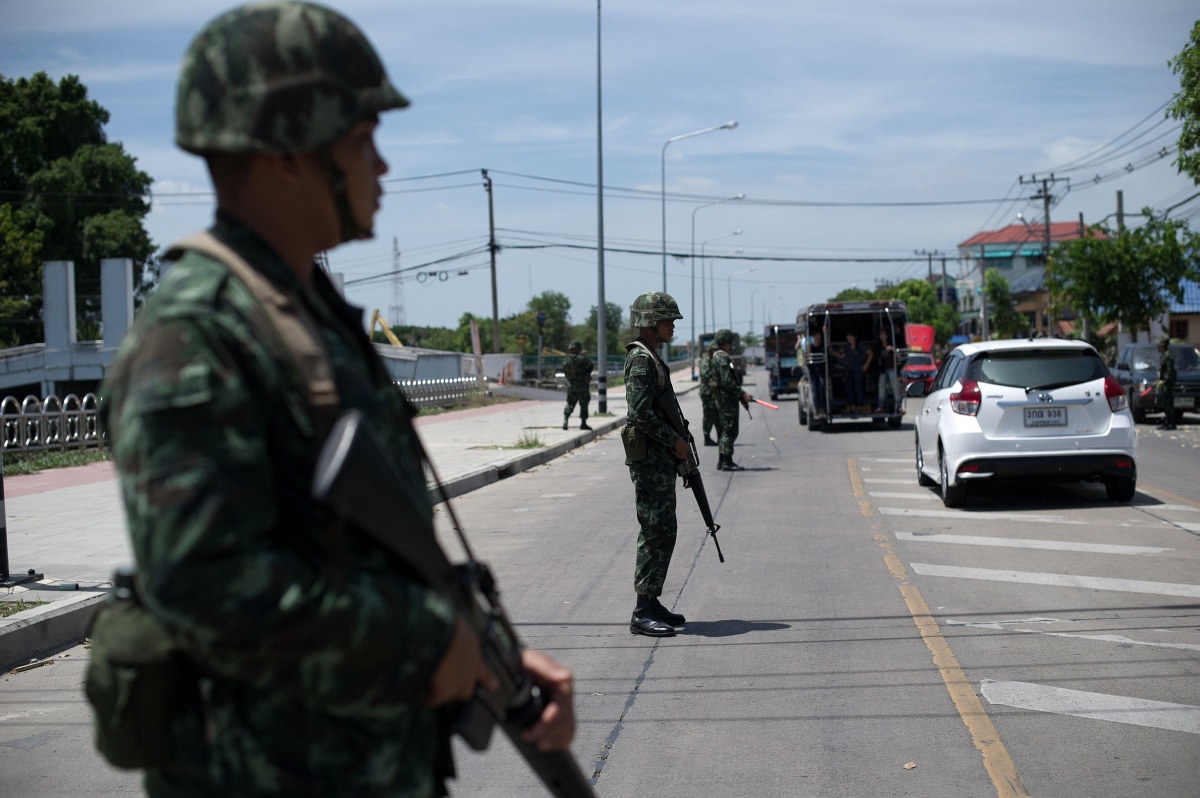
(440,393)
(51,423)
(34,424)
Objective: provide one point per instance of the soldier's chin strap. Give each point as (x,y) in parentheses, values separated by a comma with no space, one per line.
(351,230)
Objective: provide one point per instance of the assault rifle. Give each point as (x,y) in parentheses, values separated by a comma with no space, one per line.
(358,479)
(689,469)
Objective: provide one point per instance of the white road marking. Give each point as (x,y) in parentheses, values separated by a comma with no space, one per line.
(1007,626)
(1059,580)
(1189,527)
(923,495)
(1176,508)
(1096,706)
(961,516)
(557,496)
(908,460)
(882,481)
(1018,543)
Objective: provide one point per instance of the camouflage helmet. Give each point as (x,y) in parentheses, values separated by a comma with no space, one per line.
(277,78)
(652,307)
(575,348)
(1164,341)
(723,337)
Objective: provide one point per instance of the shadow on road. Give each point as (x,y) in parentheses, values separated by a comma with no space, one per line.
(730,628)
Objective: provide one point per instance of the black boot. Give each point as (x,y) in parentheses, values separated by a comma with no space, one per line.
(676,620)
(646,619)
(730,465)
(584,425)
(565,420)
(708,441)
(720,462)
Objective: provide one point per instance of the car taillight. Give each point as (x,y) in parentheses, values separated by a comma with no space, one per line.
(1115,394)
(965,401)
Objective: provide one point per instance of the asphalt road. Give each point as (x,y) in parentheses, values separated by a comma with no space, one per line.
(860,640)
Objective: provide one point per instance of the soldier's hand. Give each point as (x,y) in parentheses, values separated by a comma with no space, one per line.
(555,729)
(681,449)
(461,669)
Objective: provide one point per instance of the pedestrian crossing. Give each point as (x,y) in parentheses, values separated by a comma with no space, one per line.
(1092,554)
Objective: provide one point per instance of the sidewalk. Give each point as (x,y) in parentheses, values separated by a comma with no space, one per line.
(69,524)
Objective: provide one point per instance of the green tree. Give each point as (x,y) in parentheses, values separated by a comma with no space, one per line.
(854,294)
(1129,277)
(1003,319)
(69,193)
(920,298)
(556,333)
(19,267)
(1186,105)
(614,339)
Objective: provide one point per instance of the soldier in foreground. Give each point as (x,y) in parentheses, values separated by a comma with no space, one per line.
(317,663)
(653,448)
(728,394)
(578,370)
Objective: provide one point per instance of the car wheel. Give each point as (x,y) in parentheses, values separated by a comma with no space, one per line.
(1120,489)
(922,478)
(814,423)
(952,495)
(803,409)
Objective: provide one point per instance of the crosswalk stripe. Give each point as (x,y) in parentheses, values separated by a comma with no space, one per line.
(883,481)
(961,516)
(1121,640)
(922,495)
(1059,580)
(1019,543)
(1096,706)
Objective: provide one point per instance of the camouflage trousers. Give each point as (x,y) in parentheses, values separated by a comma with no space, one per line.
(711,417)
(729,414)
(583,398)
(654,495)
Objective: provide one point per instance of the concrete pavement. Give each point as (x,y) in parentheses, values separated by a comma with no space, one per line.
(69,524)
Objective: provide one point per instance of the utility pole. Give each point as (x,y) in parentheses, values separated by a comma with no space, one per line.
(984,333)
(1046,197)
(396,315)
(931,255)
(487,186)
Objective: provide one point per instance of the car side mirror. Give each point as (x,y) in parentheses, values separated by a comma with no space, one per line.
(915,389)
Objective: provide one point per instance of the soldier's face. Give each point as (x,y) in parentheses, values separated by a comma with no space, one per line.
(362,166)
(665,330)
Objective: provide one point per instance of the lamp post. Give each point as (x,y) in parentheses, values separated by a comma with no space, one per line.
(601,305)
(729,292)
(692,346)
(752,293)
(702,269)
(727,126)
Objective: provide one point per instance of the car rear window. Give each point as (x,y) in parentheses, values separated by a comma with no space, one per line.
(1037,368)
(920,360)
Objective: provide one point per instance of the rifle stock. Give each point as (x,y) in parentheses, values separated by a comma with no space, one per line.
(690,469)
(357,478)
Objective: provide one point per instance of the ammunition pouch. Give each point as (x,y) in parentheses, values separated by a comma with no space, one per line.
(634,443)
(134,682)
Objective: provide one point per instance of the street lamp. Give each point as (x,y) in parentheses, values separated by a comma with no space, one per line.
(691,346)
(702,268)
(727,126)
(752,293)
(729,292)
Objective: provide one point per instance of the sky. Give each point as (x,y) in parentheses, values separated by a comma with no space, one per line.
(869,135)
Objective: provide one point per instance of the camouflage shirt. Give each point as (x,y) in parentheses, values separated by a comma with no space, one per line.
(645,378)
(727,389)
(578,371)
(315,647)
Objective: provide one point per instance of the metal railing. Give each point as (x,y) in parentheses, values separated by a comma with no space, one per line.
(440,393)
(51,423)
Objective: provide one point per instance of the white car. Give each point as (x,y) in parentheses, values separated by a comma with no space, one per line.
(1035,409)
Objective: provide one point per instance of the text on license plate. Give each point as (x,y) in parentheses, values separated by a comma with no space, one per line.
(1045,416)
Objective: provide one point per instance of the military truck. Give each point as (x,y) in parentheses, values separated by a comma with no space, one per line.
(823,391)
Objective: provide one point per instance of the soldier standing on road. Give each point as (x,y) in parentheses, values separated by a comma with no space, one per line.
(728,393)
(653,449)
(708,401)
(1166,383)
(578,370)
(317,663)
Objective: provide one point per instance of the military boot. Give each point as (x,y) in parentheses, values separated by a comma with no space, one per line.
(566,420)
(676,620)
(708,441)
(730,465)
(647,621)
(584,425)
(720,462)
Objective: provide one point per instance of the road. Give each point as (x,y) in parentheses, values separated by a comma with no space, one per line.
(860,640)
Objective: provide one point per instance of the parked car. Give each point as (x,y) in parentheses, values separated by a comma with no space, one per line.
(1137,371)
(919,366)
(1037,409)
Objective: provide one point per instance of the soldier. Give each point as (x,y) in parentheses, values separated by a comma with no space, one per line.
(655,442)
(578,370)
(728,393)
(317,663)
(708,402)
(1166,383)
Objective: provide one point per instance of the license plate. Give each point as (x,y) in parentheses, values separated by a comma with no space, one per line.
(1045,416)
(1185,401)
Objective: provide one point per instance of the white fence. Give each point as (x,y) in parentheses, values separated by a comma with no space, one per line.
(34,424)
(50,423)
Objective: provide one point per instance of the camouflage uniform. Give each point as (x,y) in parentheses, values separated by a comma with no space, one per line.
(1167,376)
(311,646)
(727,394)
(578,370)
(708,401)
